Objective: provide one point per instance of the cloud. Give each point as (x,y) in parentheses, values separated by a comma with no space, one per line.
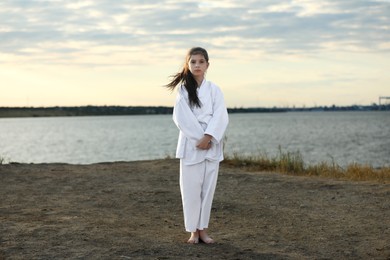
(85,32)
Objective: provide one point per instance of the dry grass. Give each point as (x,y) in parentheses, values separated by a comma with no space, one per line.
(292,163)
(2,160)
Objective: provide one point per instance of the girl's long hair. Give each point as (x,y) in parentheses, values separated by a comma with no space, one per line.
(185,77)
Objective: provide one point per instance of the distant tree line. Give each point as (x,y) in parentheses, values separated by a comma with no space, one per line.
(157,110)
(82,111)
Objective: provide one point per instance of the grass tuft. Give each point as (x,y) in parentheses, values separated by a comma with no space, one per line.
(292,163)
(2,160)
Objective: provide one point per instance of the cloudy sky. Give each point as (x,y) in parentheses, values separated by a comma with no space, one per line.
(262,52)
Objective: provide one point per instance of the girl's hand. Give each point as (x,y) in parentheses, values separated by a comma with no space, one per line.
(205,142)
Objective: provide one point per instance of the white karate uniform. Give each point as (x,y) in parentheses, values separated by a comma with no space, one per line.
(199,168)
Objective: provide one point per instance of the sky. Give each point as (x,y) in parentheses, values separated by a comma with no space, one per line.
(263,53)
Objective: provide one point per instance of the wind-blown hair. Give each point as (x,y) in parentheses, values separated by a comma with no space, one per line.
(185,77)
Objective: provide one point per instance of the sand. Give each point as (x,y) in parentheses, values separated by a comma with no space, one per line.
(132,210)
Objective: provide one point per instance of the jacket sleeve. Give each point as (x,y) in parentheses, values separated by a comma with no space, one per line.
(186,121)
(220,119)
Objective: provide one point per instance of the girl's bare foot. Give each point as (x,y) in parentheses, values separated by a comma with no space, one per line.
(194,239)
(205,238)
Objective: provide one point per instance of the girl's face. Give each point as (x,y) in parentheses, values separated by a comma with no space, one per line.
(198,65)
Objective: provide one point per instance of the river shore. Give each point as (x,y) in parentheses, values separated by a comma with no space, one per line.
(132,210)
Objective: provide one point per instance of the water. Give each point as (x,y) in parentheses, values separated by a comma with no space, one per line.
(344,137)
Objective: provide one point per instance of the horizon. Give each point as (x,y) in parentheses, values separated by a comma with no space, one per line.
(269,54)
(373,104)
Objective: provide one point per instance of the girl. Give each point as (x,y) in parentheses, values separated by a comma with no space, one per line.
(202,118)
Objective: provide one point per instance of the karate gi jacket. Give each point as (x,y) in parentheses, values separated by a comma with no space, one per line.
(194,122)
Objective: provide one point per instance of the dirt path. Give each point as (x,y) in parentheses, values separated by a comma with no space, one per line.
(132,210)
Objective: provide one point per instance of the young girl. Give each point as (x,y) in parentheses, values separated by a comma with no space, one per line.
(202,118)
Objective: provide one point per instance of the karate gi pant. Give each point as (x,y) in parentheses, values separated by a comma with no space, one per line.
(197,186)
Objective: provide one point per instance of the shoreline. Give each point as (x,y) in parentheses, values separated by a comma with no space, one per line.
(90,110)
(132,210)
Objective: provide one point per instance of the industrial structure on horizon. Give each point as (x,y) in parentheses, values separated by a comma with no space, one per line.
(380,99)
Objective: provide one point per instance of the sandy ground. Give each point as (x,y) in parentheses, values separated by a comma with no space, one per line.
(132,210)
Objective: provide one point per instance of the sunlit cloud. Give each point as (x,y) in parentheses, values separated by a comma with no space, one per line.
(34,27)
